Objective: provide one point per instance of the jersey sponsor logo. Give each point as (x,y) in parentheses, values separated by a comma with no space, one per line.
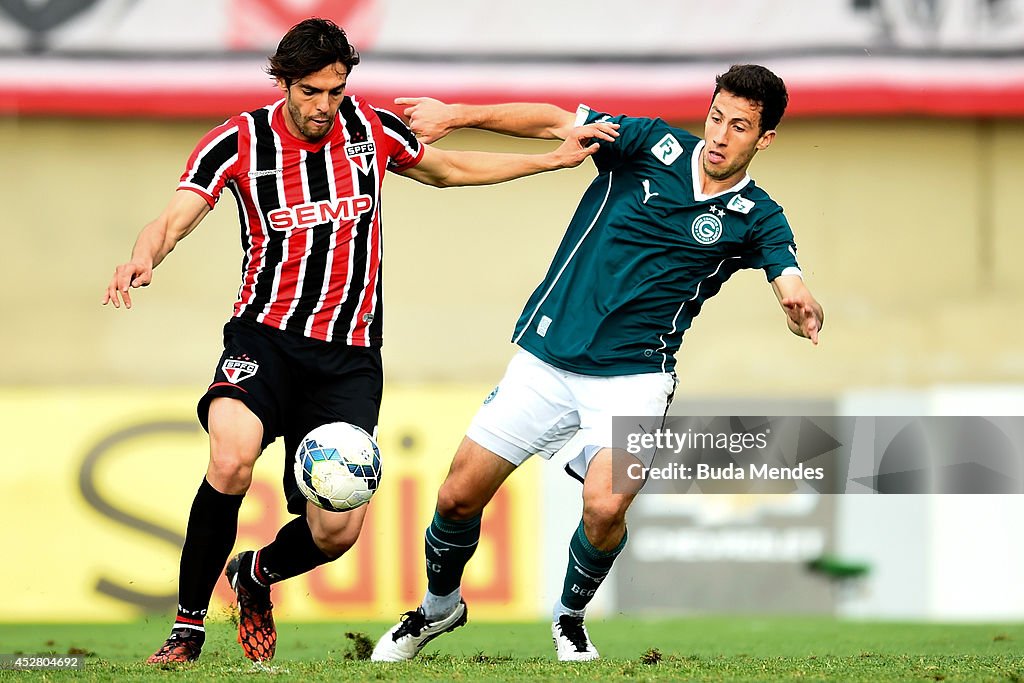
(318,213)
(740,205)
(490,396)
(237,369)
(667,150)
(647,190)
(706,228)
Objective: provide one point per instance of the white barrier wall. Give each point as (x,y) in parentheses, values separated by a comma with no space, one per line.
(942,557)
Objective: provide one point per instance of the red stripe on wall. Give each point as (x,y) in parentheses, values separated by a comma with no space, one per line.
(874,99)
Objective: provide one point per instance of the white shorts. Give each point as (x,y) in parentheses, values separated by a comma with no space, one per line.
(538,408)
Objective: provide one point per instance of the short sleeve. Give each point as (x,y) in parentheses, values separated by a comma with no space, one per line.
(212,162)
(634,136)
(773,248)
(404,150)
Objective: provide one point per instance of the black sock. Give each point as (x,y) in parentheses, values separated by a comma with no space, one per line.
(192,620)
(212,526)
(293,552)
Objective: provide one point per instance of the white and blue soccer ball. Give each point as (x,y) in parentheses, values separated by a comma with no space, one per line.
(337,466)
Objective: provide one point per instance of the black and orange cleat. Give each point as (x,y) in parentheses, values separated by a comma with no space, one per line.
(256,632)
(183,645)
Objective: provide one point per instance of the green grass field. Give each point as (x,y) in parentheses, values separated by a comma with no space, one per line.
(697,648)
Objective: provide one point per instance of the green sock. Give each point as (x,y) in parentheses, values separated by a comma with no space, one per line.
(448,545)
(587,568)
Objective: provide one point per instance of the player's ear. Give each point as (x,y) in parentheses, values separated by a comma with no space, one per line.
(282,85)
(765,140)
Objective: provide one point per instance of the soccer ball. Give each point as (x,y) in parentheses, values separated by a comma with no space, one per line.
(337,466)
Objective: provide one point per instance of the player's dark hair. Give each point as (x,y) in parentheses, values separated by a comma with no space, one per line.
(757,84)
(310,46)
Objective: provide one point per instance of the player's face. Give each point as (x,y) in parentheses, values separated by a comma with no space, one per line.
(313,101)
(732,136)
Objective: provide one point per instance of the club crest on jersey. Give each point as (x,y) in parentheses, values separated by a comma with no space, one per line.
(360,153)
(706,228)
(237,369)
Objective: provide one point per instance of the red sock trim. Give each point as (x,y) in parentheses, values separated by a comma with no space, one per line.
(188,620)
(258,572)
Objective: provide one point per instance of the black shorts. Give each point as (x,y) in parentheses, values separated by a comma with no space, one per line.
(294,384)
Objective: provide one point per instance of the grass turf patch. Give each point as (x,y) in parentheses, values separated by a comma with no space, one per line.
(697,648)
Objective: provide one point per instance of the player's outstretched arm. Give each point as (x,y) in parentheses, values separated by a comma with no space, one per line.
(184,212)
(433,119)
(454,168)
(804,315)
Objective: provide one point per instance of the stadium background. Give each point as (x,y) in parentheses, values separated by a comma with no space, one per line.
(898,167)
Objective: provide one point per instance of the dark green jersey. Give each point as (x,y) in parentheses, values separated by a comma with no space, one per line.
(644,251)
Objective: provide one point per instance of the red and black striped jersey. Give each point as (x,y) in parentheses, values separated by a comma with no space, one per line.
(309,214)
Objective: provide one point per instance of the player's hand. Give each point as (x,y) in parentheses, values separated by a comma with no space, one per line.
(803,317)
(582,142)
(428,118)
(127,275)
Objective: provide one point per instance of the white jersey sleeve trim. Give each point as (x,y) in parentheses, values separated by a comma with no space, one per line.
(582,112)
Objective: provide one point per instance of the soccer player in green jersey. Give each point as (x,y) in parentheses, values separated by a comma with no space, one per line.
(666,222)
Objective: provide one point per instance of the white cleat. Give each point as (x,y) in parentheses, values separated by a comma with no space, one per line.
(404,640)
(572,643)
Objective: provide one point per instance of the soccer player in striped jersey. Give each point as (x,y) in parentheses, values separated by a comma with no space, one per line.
(303,346)
(666,222)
